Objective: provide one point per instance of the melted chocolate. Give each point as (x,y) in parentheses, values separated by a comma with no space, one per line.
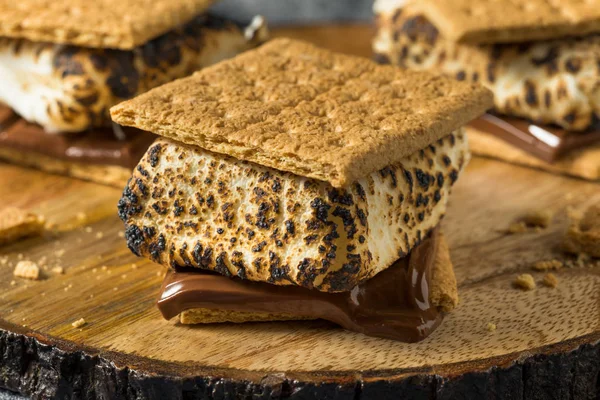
(544,142)
(96,146)
(394,304)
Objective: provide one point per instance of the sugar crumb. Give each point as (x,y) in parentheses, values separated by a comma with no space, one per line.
(525,282)
(60,253)
(58,270)
(491,326)
(550,280)
(99,235)
(121,234)
(88,229)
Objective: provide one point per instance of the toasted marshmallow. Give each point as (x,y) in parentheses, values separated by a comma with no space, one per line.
(70,89)
(552,82)
(185,206)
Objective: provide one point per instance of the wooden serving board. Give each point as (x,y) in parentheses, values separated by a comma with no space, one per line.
(546,345)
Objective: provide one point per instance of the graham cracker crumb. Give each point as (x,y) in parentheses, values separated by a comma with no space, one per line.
(16,224)
(13,283)
(491,326)
(60,253)
(88,229)
(27,270)
(538,218)
(525,282)
(534,220)
(419,101)
(517,227)
(99,235)
(547,265)
(58,270)
(81,216)
(550,280)
(79,323)
(583,234)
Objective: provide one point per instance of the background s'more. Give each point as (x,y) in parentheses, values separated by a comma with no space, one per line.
(291,182)
(64,63)
(539,58)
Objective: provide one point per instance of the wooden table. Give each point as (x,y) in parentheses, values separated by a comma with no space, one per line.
(546,344)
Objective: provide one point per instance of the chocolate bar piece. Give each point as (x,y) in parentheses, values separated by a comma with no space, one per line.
(544,142)
(99,146)
(394,304)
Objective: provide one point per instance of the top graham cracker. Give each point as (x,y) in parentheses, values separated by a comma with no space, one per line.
(121,24)
(295,107)
(505,21)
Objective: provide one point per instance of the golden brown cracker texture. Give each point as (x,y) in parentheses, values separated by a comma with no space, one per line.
(95,23)
(295,107)
(501,21)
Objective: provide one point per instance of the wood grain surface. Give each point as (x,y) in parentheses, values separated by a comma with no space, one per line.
(546,344)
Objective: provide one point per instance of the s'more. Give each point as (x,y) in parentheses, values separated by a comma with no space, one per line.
(65,63)
(539,58)
(294,183)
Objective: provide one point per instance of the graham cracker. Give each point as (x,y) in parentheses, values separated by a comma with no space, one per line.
(110,175)
(583,235)
(503,21)
(444,290)
(210,316)
(582,163)
(295,107)
(98,23)
(444,294)
(16,224)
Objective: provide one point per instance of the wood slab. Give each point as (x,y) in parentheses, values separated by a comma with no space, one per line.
(546,345)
